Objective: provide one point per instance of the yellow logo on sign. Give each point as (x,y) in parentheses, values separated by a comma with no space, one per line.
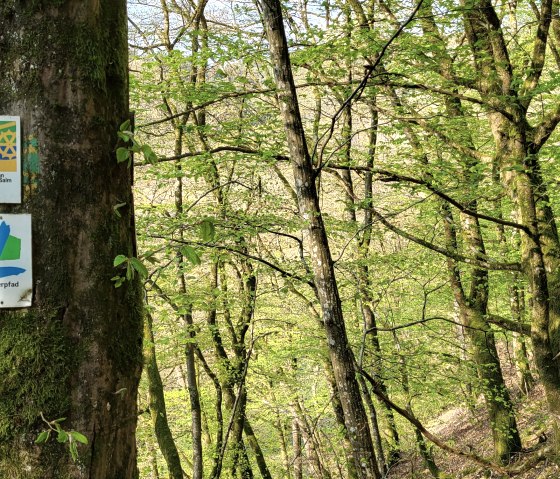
(8,146)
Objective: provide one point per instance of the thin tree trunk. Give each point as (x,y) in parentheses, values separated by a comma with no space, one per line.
(236,401)
(425,452)
(366,299)
(228,381)
(240,466)
(310,445)
(194,397)
(153,460)
(525,379)
(255,446)
(217,459)
(304,176)
(158,410)
(390,427)
(287,473)
(464,364)
(296,443)
(374,423)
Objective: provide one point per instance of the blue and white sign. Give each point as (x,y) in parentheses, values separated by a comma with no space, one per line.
(16,278)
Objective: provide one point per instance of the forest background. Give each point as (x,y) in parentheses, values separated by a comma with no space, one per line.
(424,231)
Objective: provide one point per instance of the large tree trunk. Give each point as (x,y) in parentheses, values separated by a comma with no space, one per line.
(537,250)
(472,311)
(517,146)
(323,269)
(77,352)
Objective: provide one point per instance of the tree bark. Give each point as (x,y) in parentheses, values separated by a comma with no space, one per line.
(296,443)
(374,423)
(472,312)
(279,426)
(339,416)
(77,352)
(153,460)
(323,269)
(158,411)
(517,146)
(257,451)
(525,379)
(310,445)
(192,386)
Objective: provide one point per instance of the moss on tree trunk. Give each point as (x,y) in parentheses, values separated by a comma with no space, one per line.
(77,352)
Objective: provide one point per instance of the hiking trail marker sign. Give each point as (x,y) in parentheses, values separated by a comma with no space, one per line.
(16,278)
(10,159)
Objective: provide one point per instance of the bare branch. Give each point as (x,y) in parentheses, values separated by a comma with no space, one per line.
(283,272)
(391,176)
(219,149)
(488,264)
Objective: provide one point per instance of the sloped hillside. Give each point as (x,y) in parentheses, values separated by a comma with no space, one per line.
(468,431)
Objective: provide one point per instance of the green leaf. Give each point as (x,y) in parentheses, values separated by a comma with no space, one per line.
(190,253)
(62,436)
(73,451)
(43,437)
(207,230)
(129,271)
(149,154)
(123,154)
(124,136)
(125,126)
(79,437)
(138,266)
(120,259)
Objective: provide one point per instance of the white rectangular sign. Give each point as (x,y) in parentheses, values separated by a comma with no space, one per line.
(16,278)
(10,159)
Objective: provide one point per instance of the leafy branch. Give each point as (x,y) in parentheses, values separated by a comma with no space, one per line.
(72,438)
(132,266)
(126,153)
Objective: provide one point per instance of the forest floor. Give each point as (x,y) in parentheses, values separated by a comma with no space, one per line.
(469,431)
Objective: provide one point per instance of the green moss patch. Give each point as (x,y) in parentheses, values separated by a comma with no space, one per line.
(34,369)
